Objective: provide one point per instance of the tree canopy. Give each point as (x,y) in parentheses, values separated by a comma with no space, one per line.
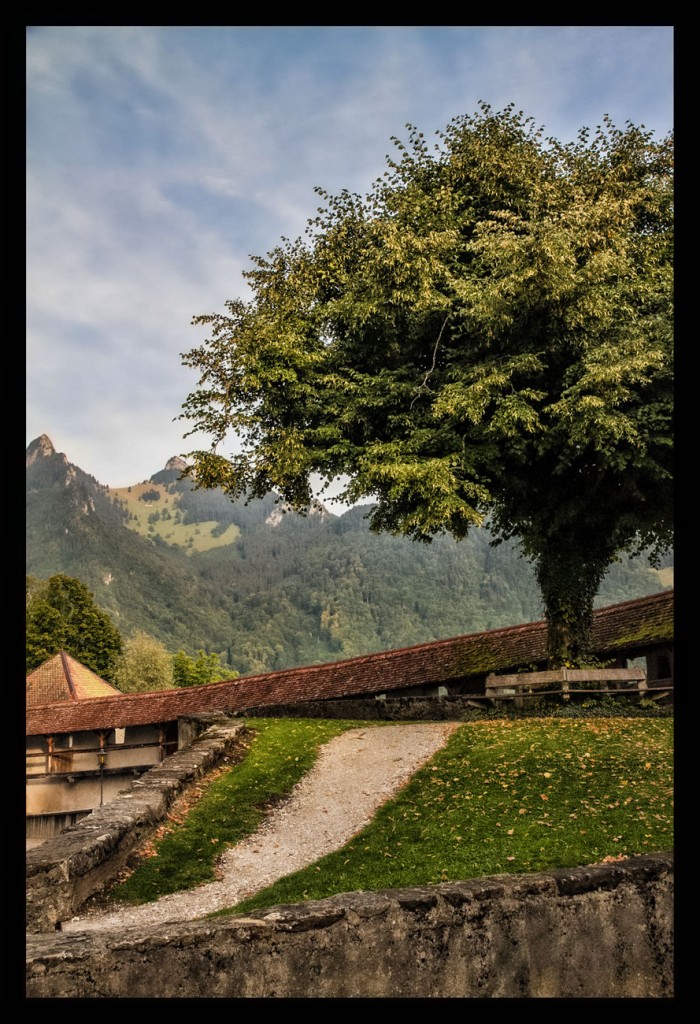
(144,665)
(487,334)
(205,668)
(61,615)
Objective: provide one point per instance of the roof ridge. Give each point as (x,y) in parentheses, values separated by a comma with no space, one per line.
(68,675)
(644,599)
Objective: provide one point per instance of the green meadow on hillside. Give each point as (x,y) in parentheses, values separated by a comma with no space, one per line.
(161,517)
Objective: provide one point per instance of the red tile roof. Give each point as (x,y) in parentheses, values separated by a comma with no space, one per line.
(63,678)
(630,627)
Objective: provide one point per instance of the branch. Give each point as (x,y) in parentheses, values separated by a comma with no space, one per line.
(424,384)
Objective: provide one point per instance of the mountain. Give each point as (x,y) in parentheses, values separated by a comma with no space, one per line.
(79,527)
(266,587)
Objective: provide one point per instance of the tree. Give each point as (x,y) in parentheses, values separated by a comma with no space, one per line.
(487,335)
(145,665)
(205,668)
(61,615)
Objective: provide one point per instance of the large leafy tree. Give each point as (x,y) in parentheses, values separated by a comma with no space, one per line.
(61,615)
(486,334)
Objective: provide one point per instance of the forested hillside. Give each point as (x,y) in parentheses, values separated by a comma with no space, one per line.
(269,589)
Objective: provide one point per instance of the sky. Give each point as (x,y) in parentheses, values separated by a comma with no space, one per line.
(159,159)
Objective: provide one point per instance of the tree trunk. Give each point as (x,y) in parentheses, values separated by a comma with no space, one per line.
(569,580)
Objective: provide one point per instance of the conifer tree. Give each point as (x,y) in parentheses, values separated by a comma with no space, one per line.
(61,615)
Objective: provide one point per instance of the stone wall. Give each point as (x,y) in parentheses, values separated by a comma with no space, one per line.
(448,708)
(597,932)
(65,871)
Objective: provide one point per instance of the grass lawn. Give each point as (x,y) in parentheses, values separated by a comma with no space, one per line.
(230,807)
(502,796)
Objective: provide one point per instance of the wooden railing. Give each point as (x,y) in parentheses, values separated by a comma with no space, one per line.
(622,681)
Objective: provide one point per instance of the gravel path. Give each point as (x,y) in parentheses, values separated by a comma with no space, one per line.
(354,774)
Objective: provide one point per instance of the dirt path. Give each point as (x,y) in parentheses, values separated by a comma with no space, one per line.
(354,775)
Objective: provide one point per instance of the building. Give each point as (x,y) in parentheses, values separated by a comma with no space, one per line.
(86,740)
(69,773)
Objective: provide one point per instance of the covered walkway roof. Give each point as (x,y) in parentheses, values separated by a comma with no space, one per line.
(627,629)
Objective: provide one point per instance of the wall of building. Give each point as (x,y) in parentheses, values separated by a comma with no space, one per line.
(43,826)
(70,774)
(60,795)
(597,932)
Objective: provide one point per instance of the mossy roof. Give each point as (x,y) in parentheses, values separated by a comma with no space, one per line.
(628,628)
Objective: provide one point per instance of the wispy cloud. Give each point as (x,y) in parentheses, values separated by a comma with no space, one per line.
(160,158)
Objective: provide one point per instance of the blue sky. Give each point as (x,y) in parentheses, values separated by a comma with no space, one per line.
(159,158)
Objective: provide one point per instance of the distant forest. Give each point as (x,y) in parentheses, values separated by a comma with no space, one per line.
(288,590)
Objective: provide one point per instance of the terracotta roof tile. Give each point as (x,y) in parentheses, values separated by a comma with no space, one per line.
(63,678)
(629,627)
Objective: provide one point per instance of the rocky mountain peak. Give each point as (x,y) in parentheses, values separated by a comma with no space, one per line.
(41,448)
(176,463)
(317,508)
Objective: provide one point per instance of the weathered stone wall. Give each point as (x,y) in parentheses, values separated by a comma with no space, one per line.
(448,708)
(65,871)
(596,932)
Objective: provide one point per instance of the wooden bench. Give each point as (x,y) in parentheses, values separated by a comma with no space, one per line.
(536,684)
